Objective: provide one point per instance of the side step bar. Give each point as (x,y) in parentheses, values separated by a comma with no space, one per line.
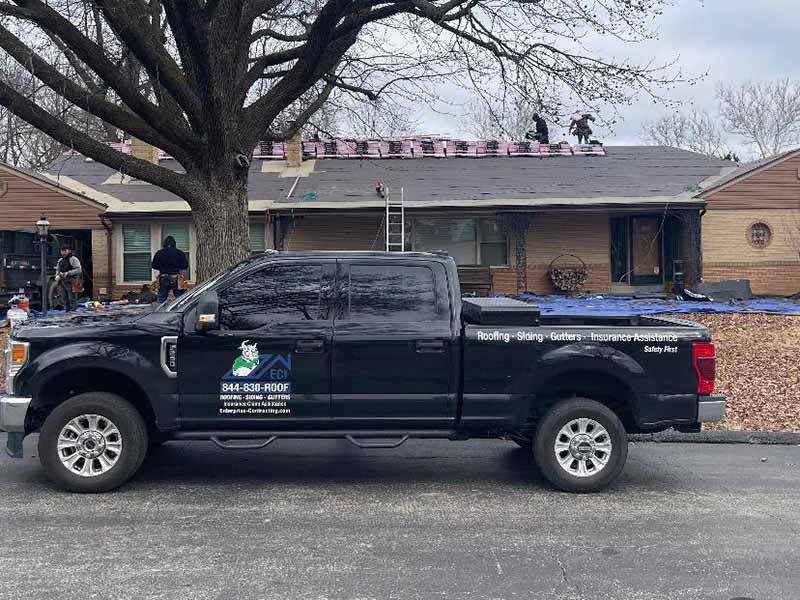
(232,440)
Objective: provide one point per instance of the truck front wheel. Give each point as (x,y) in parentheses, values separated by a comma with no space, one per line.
(93,442)
(580,445)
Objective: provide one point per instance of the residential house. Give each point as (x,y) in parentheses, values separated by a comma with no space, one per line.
(25,197)
(631,214)
(752,225)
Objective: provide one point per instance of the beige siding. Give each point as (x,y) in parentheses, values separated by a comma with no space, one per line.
(337,232)
(26,199)
(777,186)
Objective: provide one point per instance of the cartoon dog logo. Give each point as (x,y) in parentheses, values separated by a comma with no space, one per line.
(248,361)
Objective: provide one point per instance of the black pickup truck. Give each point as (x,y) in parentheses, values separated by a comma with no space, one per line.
(375,348)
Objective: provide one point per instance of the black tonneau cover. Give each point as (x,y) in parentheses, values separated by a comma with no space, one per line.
(499,311)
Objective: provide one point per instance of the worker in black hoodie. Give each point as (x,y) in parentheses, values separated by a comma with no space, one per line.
(169,262)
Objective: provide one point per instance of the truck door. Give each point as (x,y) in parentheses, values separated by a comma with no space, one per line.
(269,364)
(393,347)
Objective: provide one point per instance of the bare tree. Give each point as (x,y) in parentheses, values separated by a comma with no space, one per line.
(204,80)
(765,115)
(504,119)
(697,131)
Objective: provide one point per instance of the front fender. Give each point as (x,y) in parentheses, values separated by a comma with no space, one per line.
(94,354)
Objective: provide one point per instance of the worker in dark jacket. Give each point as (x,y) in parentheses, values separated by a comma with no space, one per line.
(169,262)
(68,277)
(542,133)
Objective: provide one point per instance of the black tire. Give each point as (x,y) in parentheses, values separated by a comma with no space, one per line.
(523,441)
(132,431)
(559,416)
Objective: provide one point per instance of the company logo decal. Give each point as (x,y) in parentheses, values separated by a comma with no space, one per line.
(257,385)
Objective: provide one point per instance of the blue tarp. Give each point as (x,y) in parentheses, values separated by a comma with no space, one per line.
(626,306)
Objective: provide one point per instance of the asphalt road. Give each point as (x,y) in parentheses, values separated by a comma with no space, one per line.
(432,519)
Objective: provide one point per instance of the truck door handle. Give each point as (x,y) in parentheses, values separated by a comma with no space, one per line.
(430,346)
(309,346)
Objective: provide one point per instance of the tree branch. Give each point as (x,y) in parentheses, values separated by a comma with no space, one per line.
(92,102)
(72,138)
(94,57)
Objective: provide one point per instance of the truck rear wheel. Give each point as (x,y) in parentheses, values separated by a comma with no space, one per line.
(93,442)
(580,445)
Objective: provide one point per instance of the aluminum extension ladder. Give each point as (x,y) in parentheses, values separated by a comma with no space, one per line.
(395,223)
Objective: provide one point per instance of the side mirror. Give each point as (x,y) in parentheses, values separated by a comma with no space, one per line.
(208,312)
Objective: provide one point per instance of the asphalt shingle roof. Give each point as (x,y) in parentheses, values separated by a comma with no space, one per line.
(625,172)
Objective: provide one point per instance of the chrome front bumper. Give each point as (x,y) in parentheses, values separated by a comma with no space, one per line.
(12,413)
(710,409)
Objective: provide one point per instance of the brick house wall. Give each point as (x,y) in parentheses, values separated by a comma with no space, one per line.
(336,232)
(101,261)
(728,253)
(583,234)
(769,195)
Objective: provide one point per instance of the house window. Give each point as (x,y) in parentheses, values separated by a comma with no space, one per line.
(493,245)
(136,252)
(258,242)
(470,240)
(179,231)
(759,235)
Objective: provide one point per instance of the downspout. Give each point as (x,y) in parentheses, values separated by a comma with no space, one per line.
(109,246)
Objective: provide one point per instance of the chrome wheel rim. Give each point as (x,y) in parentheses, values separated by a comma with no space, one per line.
(89,445)
(583,447)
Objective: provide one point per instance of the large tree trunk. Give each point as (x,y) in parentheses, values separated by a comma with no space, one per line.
(220,214)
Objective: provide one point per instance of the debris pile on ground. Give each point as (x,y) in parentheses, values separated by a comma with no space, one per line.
(758,369)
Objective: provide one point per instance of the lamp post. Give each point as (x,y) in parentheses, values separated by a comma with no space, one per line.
(43,228)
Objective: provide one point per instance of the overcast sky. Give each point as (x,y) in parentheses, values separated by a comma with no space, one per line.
(732,40)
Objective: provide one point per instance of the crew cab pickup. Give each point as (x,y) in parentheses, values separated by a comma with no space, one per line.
(375,348)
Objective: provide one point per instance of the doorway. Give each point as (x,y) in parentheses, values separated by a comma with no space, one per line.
(637,252)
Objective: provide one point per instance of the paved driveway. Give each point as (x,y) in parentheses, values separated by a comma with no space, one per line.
(432,519)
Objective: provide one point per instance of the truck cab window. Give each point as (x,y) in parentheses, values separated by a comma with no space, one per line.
(277,294)
(392,293)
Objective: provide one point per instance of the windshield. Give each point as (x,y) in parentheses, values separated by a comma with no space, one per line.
(184,300)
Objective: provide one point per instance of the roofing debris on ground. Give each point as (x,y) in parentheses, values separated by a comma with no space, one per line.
(758,369)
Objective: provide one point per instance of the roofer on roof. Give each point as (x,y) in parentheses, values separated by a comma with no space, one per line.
(542,134)
(579,125)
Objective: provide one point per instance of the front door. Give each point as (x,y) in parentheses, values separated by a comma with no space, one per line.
(269,364)
(646,250)
(394,348)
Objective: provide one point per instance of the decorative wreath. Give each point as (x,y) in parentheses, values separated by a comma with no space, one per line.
(568,276)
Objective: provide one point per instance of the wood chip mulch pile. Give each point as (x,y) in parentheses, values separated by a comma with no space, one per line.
(758,369)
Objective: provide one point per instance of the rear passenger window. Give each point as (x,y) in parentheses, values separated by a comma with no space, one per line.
(278,294)
(392,293)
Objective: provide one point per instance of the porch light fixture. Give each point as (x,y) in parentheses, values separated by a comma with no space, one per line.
(43,229)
